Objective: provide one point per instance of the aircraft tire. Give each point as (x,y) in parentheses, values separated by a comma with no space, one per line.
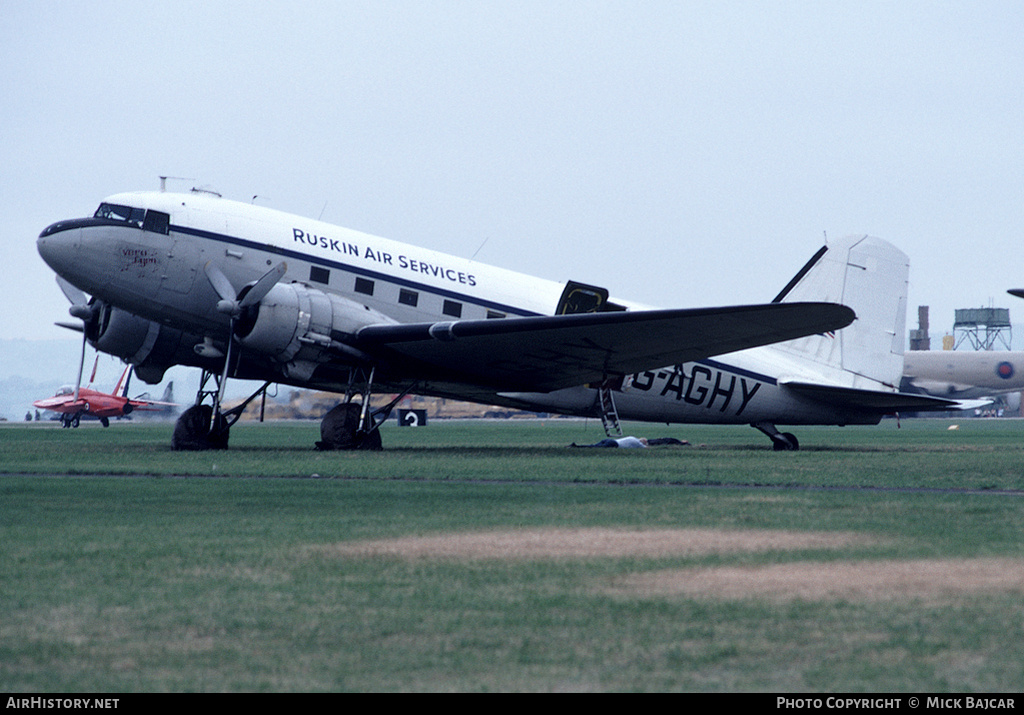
(192,430)
(787,443)
(339,429)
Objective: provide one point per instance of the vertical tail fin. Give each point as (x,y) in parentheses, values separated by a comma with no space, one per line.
(117,387)
(869,275)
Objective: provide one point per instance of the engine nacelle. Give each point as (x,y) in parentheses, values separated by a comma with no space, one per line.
(149,346)
(118,332)
(293,317)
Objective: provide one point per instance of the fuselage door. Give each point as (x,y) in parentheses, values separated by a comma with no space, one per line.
(583,298)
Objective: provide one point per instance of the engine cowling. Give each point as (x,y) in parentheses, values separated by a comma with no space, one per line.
(117,332)
(149,346)
(295,322)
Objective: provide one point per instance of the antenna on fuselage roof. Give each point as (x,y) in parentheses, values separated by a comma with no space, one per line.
(481,246)
(163,181)
(204,190)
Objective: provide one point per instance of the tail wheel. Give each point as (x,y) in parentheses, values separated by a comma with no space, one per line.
(786,442)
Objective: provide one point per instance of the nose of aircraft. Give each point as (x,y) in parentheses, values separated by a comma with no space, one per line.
(56,245)
(60,245)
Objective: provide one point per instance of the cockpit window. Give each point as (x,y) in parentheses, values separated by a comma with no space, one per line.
(156,221)
(116,212)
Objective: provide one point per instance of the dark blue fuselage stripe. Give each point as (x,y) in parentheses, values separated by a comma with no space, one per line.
(376,275)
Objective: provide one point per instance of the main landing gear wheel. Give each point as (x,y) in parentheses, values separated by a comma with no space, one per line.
(204,426)
(340,429)
(192,430)
(351,425)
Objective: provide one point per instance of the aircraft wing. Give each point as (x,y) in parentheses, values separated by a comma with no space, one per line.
(552,352)
(874,400)
(63,403)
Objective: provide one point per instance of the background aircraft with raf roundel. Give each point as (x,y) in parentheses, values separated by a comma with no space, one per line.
(979,375)
(74,403)
(244,291)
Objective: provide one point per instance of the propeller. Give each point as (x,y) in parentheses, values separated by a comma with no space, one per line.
(84,311)
(234,304)
(80,307)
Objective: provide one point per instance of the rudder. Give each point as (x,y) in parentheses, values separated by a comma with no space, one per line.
(871,276)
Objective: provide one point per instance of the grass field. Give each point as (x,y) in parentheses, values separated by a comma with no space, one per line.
(478,556)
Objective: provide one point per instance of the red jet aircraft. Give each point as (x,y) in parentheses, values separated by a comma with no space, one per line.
(73,402)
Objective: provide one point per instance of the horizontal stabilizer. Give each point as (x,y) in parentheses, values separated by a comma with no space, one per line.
(552,352)
(141,403)
(872,400)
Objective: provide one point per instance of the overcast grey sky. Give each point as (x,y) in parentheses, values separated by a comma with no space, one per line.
(680,153)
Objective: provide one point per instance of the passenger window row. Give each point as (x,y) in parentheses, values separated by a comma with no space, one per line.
(407,297)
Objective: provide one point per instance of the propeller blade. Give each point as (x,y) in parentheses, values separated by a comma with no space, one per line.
(220,282)
(75,295)
(267,281)
(227,366)
(81,364)
(80,307)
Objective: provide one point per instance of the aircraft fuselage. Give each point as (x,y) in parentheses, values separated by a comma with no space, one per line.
(144,253)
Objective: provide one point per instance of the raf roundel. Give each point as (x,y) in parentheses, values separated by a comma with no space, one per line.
(1004,370)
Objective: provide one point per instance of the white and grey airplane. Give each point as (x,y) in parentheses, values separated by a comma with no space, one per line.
(964,374)
(976,375)
(249,292)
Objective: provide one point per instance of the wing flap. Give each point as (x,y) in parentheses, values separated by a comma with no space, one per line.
(872,400)
(552,352)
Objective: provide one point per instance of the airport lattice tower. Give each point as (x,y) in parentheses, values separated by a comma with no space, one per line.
(983,327)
